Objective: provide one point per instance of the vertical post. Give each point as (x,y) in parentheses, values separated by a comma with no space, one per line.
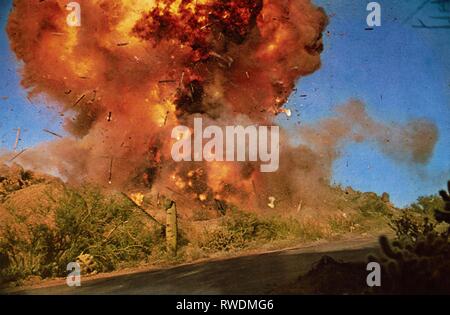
(171,228)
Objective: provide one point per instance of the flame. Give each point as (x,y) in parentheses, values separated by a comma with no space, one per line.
(195,23)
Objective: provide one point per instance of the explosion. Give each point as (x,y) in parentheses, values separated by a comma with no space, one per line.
(135,69)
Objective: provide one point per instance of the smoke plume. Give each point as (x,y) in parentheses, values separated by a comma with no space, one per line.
(135,69)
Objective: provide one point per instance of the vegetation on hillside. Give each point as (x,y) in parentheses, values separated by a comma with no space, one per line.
(45,225)
(85,222)
(416,261)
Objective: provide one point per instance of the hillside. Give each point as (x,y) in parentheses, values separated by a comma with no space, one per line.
(45,224)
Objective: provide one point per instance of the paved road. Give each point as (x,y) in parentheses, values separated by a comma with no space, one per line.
(255,274)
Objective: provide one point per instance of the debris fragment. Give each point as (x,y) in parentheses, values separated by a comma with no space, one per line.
(166,81)
(109,118)
(165,118)
(79,100)
(181,80)
(110,171)
(288,112)
(122,44)
(300,206)
(202,197)
(52,133)
(16,143)
(228,60)
(138,198)
(271,203)
(285,111)
(143,210)
(17,155)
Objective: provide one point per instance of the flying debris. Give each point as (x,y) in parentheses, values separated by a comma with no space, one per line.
(300,206)
(167,81)
(228,60)
(52,133)
(148,215)
(288,112)
(16,143)
(285,111)
(138,198)
(271,203)
(109,118)
(110,171)
(17,155)
(79,100)
(165,118)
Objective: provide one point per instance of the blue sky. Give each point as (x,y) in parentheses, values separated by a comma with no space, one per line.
(400,72)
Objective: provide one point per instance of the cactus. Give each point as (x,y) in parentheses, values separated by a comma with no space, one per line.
(389,251)
(171,228)
(418,261)
(444,215)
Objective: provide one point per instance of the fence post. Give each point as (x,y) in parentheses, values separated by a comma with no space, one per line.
(171,228)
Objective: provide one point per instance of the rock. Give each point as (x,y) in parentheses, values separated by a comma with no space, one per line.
(14,178)
(385,197)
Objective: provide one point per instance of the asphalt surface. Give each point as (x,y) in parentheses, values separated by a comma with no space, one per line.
(255,274)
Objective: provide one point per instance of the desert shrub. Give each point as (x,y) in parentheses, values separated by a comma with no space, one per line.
(373,215)
(201,214)
(235,232)
(222,240)
(374,207)
(85,222)
(344,223)
(410,226)
(239,229)
(426,205)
